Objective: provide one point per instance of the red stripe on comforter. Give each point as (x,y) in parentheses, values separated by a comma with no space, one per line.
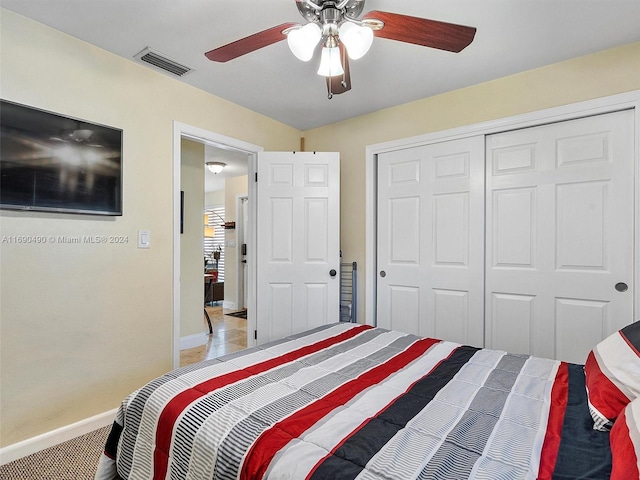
(625,455)
(604,395)
(276,437)
(181,401)
(559,397)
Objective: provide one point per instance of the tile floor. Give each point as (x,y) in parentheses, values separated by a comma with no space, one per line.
(229,335)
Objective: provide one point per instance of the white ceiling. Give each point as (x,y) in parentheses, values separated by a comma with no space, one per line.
(512,36)
(236,165)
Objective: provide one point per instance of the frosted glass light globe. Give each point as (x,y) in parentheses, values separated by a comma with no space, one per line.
(356,38)
(302,41)
(330,64)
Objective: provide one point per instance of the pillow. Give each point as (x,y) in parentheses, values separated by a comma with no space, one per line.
(625,443)
(612,375)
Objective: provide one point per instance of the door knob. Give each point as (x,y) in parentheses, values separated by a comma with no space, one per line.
(332,272)
(383,273)
(621,287)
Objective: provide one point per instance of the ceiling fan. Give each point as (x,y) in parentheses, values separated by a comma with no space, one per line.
(335,25)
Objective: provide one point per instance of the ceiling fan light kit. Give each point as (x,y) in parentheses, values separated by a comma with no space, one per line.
(334,24)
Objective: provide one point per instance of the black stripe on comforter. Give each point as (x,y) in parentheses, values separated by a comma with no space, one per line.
(351,457)
(584,453)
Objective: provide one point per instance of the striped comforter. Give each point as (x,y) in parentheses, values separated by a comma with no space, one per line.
(350,401)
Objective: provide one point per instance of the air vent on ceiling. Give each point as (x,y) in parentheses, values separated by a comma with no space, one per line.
(162,62)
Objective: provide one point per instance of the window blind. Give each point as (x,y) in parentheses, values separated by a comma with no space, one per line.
(211,244)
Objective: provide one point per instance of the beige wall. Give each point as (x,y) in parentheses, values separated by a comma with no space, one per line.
(214,199)
(83,325)
(191,241)
(605,73)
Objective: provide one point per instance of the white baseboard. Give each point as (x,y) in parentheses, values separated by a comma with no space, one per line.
(55,437)
(192,341)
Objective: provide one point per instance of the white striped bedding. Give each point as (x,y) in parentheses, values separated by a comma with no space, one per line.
(350,401)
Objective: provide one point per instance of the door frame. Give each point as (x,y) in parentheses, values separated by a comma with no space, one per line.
(241,236)
(609,104)
(201,135)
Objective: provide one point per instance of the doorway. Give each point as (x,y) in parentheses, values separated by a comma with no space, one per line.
(181,130)
(242,229)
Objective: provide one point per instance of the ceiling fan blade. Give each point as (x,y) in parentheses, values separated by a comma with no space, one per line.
(249,44)
(341,83)
(422,31)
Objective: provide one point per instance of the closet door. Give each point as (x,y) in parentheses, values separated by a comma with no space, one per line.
(559,236)
(431,240)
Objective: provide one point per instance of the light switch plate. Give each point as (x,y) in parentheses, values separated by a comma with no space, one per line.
(144,238)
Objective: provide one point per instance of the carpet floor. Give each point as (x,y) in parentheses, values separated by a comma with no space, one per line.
(76,459)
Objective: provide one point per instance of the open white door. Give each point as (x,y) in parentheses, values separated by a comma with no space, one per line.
(298,235)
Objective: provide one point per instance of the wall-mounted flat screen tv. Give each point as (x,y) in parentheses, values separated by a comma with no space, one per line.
(50,162)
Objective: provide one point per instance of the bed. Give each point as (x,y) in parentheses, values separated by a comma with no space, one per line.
(350,401)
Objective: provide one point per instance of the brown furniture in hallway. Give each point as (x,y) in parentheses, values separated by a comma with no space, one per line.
(213,291)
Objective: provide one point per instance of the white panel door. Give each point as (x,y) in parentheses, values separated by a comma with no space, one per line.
(298,283)
(559,210)
(431,240)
